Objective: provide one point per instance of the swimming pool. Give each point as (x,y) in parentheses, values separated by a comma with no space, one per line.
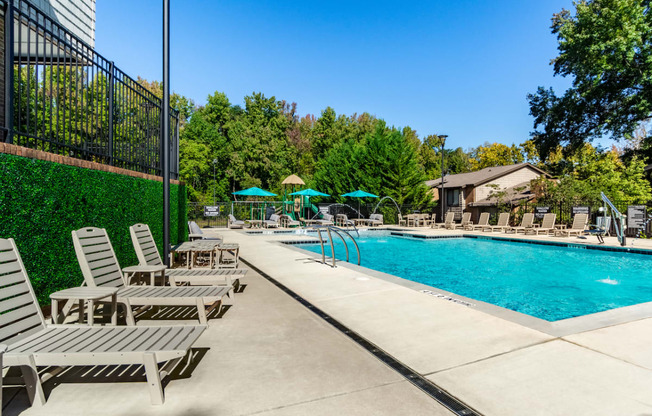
(548,282)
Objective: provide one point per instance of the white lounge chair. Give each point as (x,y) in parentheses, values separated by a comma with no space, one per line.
(287,221)
(100,267)
(547,225)
(577,228)
(501,225)
(483,222)
(272,222)
(195,233)
(148,255)
(466,220)
(234,222)
(31,343)
(526,222)
(448,221)
(375,220)
(326,219)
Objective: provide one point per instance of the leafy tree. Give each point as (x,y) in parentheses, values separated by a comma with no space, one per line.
(495,154)
(605,47)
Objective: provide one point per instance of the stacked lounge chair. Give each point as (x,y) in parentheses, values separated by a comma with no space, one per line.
(148,255)
(502,225)
(31,343)
(375,220)
(482,223)
(547,225)
(526,223)
(100,268)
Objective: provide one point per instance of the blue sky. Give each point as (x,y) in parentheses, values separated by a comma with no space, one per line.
(461,68)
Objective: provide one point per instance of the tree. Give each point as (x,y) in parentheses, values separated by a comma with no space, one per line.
(495,154)
(605,47)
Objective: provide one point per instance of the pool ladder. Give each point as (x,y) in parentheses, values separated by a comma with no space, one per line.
(331,229)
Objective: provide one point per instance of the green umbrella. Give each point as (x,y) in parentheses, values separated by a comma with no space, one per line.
(254,191)
(309,192)
(360,194)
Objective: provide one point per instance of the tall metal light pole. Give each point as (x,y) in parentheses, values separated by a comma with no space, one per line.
(214,164)
(441,193)
(165,133)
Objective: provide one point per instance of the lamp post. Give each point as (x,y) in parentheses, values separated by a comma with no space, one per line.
(214,164)
(441,193)
(165,133)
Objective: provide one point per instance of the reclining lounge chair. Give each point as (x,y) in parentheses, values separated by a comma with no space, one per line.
(375,220)
(526,223)
(502,225)
(195,233)
(31,343)
(577,228)
(272,222)
(100,268)
(234,222)
(547,225)
(466,221)
(482,223)
(148,255)
(448,221)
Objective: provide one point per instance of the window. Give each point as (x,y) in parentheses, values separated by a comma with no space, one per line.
(452,197)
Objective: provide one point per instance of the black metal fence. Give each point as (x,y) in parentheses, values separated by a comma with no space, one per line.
(63,97)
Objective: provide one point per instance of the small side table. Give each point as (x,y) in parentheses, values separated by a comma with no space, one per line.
(222,258)
(85,294)
(130,271)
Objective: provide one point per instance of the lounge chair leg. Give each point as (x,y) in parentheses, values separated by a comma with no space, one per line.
(131,321)
(33,383)
(201,311)
(153,378)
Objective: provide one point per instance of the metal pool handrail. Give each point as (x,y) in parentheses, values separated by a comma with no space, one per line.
(338,231)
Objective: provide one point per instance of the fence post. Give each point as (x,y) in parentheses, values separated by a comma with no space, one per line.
(9,72)
(111,93)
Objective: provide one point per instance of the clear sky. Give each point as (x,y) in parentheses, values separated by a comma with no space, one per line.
(460,67)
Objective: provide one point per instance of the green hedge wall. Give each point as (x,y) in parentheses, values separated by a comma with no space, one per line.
(42,202)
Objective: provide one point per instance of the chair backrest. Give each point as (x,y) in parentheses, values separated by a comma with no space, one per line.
(96,257)
(549,220)
(377,217)
(503,219)
(232,218)
(194,228)
(20,315)
(327,217)
(466,218)
(484,219)
(579,222)
(144,245)
(274,218)
(450,217)
(528,219)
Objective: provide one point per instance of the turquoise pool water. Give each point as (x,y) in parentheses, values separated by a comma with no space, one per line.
(547,282)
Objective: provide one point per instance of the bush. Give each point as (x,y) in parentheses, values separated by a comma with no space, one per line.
(42,202)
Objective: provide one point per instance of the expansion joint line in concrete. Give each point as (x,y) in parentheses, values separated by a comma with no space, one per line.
(431,389)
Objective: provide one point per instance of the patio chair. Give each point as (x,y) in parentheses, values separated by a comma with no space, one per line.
(195,233)
(526,223)
(448,221)
(31,343)
(577,228)
(287,221)
(326,219)
(100,268)
(342,220)
(401,221)
(547,225)
(148,255)
(234,222)
(466,221)
(483,222)
(375,220)
(502,225)
(272,222)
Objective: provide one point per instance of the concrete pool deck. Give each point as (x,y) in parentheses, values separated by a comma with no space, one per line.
(494,365)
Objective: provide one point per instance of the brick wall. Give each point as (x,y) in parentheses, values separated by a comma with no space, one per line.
(66,160)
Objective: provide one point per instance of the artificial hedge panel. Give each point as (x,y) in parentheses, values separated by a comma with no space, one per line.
(42,202)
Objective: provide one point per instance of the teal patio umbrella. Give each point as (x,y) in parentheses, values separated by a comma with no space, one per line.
(253,191)
(360,194)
